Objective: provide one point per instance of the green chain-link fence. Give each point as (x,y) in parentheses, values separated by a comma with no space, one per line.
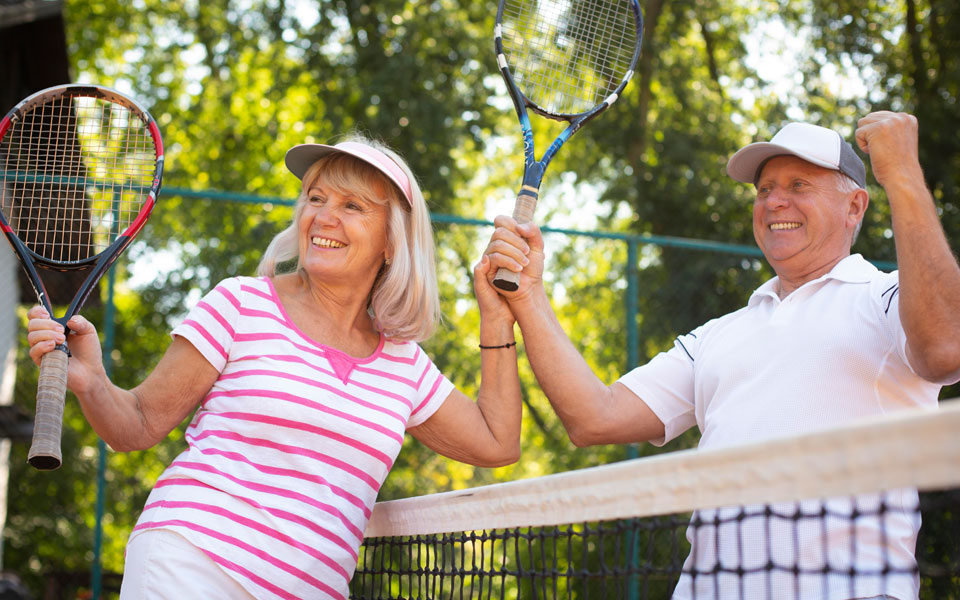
(623,296)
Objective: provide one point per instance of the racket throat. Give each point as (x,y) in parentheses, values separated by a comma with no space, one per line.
(66,334)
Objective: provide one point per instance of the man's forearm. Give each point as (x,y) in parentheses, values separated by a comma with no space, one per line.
(929,280)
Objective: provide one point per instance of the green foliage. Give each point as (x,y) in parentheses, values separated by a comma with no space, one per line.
(234,84)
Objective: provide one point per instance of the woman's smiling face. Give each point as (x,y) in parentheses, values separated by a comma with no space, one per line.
(343,236)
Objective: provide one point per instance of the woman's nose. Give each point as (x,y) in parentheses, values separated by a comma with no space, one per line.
(327,215)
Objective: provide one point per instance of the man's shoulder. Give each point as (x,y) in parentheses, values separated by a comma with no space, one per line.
(877,285)
(856,269)
(719,322)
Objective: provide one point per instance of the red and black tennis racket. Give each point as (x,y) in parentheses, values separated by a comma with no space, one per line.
(567,60)
(80,169)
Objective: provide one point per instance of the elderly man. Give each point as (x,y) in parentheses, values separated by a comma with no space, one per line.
(828,340)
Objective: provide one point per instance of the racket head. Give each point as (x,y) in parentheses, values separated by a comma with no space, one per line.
(80,170)
(566,59)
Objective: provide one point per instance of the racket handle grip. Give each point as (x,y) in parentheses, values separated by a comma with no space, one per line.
(44,452)
(522,213)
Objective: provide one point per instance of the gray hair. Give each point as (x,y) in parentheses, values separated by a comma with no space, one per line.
(846,185)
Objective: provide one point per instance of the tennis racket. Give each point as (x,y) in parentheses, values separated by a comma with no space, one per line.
(566,60)
(80,169)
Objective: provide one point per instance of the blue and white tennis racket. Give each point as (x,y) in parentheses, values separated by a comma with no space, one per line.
(567,60)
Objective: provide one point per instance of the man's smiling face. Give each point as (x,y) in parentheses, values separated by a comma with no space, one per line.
(802,221)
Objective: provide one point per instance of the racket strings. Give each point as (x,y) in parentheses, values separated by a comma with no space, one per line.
(567,57)
(76,172)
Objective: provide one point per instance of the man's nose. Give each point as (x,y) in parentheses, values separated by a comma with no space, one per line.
(775,199)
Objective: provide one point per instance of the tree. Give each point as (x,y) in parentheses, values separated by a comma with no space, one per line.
(233,85)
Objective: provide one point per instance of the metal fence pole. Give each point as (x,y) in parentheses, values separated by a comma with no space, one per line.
(633,274)
(96,572)
(633,359)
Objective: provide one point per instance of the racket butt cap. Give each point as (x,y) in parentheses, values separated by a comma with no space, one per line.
(44,463)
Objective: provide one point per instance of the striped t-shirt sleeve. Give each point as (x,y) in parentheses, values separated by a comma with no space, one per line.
(433,387)
(211,325)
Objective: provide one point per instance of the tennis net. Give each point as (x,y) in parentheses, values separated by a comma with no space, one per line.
(831,514)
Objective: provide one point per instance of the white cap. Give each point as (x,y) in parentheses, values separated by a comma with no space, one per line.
(814,144)
(299,158)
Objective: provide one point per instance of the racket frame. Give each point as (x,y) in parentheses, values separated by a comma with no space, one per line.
(533,169)
(45,451)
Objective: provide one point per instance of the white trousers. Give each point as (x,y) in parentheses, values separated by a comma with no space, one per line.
(163,565)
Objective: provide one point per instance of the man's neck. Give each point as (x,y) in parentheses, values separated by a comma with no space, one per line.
(787,282)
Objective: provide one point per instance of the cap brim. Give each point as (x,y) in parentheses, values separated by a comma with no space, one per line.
(299,158)
(743,165)
(302,156)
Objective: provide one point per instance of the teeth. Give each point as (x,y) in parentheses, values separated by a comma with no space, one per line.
(781,226)
(327,243)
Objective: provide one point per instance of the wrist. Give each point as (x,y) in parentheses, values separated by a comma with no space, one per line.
(501,336)
(498,346)
(535,300)
(89,389)
(907,180)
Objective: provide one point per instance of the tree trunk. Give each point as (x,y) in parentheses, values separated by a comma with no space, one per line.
(645,74)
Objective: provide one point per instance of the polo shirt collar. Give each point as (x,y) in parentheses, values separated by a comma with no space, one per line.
(852,269)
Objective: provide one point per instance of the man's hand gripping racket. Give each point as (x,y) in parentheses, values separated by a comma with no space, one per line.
(567,60)
(80,170)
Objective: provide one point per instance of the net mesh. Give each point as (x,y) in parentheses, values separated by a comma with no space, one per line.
(76,171)
(831,514)
(567,57)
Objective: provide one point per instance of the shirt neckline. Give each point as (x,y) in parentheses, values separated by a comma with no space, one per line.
(340,353)
(851,269)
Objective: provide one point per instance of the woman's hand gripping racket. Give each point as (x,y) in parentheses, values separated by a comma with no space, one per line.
(567,60)
(80,169)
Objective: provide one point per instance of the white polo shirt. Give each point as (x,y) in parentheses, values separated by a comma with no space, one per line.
(831,352)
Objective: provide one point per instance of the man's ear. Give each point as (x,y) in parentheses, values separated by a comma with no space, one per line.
(859,200)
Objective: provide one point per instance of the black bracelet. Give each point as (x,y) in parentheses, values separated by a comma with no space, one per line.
(513,343)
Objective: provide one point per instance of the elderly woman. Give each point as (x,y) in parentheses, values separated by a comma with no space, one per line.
(307,378)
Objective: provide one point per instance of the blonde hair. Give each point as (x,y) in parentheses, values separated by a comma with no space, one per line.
(404,301)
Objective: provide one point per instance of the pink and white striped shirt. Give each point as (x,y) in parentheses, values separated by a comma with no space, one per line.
(289,448)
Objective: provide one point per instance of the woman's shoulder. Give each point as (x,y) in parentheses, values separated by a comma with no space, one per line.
(240,289)
(402,351)
(240,282)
